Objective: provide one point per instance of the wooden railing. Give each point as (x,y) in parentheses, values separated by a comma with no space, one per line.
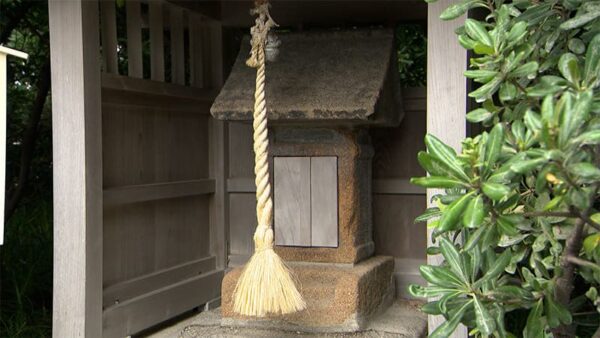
(156,40)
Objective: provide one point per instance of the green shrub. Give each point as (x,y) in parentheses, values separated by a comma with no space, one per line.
(523,195)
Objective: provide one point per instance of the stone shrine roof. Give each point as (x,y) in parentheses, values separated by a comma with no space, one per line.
(324,76)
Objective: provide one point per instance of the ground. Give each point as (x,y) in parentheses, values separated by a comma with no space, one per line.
(402,319)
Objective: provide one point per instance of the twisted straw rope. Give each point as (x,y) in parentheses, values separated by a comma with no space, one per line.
(266,284)
(263,236)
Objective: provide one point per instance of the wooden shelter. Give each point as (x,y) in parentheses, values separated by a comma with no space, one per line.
(154,198)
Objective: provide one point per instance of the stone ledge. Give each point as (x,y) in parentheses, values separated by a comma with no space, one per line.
(339,298)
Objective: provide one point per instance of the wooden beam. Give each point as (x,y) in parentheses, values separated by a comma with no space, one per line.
(218,157)
(195,51)
(177,48)
(155,88)
(208,8)
(319,13)
(135,64)
(135,287)
(157,191)
(77,160)
(139,313)
(216,53)
(109,36)
(157,54)
(446,99)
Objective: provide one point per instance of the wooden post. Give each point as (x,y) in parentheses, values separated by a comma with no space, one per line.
(134,39)
(3,88)
(446,98)
(177,46)
(77,157)
(109,36)
(219,157)
(157,54)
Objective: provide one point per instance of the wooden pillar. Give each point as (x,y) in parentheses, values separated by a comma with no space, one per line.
(446,98)
(218,152)
(77,157)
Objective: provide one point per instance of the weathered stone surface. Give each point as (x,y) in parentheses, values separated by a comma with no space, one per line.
(339,297)
(401,320)
(324,77)
(353,149)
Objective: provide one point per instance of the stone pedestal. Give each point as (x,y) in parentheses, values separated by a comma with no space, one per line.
(339,297)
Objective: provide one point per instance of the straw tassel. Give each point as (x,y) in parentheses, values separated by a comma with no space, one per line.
(266,285)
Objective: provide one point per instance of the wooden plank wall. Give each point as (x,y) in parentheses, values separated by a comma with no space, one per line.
(157,193)
(163,182)
(396,202)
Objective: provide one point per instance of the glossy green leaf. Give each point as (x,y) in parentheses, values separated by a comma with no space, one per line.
(428,291)
(507,226)
(591,243)
(496,269)
(493,145)
(486,91)
(485,322)
(527,166)
(495,191)
(453,213)
(591,69)
(569,67)
(474,213)
(573,117)
(457,9)
(428,214)
(533,121)
(512,292)
(480,75)
(535,326)
(474,238)
(580,20)
(576,46)
(479,115)
(525,70)
(437,182)
(478,32)
(431,308)
(507,92)
(585,170)
(448,327)
(446,155)
(432,165)
(440,276)
(590,137)
(452,257)
(517,31)
(556,313)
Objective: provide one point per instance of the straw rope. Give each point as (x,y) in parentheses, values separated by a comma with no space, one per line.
(263,236)
(265,285)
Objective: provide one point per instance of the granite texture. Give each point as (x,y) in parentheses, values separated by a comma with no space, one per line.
(353,149)
(339,298)
(327,77)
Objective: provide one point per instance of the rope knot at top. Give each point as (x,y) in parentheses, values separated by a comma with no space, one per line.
(260,33)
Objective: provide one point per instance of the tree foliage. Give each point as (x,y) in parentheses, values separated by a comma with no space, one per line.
(26,256)
(521,196)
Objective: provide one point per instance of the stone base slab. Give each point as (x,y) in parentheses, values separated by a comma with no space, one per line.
(340,298)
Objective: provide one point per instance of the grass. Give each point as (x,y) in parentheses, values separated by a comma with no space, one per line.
(26,271)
